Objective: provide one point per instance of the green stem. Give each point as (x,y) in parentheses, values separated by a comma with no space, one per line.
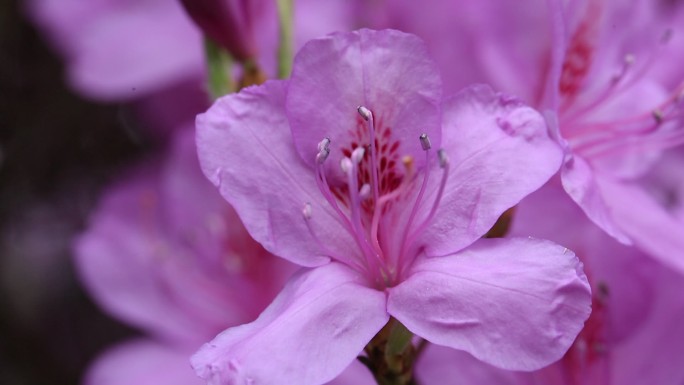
(390,355)
(285,13)
(219,64)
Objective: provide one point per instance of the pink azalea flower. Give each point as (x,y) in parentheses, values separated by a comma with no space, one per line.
(616,116)
(166,254)
(127,50)
(385,205)
(607,72)
(497,42)
(121,49)
(633,334)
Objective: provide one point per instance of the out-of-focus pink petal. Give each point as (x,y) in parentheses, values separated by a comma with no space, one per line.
(311,332)
(492,41)
(165,253)
(388,71)
(579,181)
(245,148)
(143,362)
(620,275)
(486,135)
(356,374)
(439,365)
(648,224)
(122,264)
(116,50)
(653,353)
(514,303)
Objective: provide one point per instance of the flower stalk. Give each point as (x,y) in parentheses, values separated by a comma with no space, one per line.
(390,355)
(219,65)
(285,49)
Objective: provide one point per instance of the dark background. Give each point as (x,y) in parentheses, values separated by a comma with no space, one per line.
(57,152)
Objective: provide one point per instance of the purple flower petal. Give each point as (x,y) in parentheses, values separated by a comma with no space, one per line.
(310,333)
(499,152)
(142,362)
(579,182)
(388,72)
(514,303)
(97,39)
(245,148)
(648,223)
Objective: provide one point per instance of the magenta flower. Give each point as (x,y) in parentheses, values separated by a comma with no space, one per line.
(165,254)
(633,334)
(125,50)
(116,49)
(616,116)
(607,73)
(386,203)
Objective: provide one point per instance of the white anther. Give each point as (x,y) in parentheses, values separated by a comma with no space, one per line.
(357,155)
(346,165)
(425,142)
(324,144)
(322,155)
(364,112)
(307,211)
(443,158)
(365,191)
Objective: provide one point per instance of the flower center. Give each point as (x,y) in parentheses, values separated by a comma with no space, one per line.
(642,133)
(377,204)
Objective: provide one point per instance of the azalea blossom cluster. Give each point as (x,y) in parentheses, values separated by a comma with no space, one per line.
(388,192)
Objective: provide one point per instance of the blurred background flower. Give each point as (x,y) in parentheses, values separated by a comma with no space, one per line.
(56,153)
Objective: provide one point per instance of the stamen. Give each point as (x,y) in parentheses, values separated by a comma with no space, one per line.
(425,142)
(346,165)
(444,165)
(367,115)
(443,158)
(307,213)
(365,191)
(322,183)
(323,150)
(364,112)
(350,168)
(357,155)
(324,144)
(407,161)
